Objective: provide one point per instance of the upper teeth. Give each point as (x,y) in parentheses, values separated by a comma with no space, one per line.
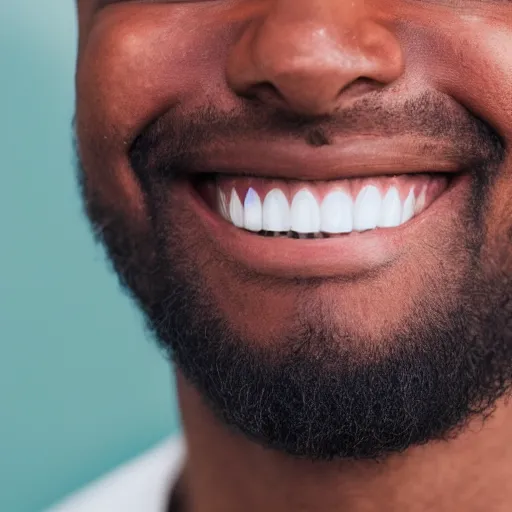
(305,213)
(236,210)
(253,212)
(337,212)
(367,209)
(276,211)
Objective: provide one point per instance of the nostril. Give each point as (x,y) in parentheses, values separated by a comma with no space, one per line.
(269,94)
(360,87)
(265,92)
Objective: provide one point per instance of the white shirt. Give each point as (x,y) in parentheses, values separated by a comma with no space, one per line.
(142,485)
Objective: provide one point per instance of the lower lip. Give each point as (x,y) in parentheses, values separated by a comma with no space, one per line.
(343,256)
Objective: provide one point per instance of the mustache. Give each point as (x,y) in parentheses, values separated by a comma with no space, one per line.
(176,141)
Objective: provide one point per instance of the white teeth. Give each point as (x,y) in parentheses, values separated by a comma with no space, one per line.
(391,210)
(408,212)
(305,213)
(367,208)
(223,204)
(420,202)
(336,213)
(236,210)
(253,211)
(276,211)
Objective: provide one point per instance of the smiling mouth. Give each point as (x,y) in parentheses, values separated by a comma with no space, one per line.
(299,228)
(320,209)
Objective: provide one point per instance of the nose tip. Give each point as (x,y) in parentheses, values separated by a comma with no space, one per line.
(313,68)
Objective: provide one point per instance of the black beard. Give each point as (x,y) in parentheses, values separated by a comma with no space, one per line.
(312,395)
(312,398)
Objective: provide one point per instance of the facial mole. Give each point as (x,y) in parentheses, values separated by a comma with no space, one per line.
(317,138)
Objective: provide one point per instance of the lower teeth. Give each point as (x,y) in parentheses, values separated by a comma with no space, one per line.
(291,234)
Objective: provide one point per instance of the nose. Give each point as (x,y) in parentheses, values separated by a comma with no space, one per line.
(311,56)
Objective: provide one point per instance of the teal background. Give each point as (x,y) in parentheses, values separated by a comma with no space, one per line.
(82,386)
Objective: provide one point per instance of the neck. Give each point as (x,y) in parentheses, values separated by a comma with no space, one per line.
(225,472)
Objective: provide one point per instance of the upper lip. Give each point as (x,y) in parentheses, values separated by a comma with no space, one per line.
(431,133)
(349,158)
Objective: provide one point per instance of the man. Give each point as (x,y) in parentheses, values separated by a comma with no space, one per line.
(311,202)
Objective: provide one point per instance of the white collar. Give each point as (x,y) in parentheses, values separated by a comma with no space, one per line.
(143,484)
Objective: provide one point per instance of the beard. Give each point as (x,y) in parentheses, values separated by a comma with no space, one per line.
(319,392)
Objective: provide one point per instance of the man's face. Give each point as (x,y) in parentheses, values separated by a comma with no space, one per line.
(312,197)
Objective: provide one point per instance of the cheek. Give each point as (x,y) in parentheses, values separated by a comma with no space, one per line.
(471,60)
(475,66)
(135,63)
(498,247)
(128,70)
(490,62)
(142,60)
